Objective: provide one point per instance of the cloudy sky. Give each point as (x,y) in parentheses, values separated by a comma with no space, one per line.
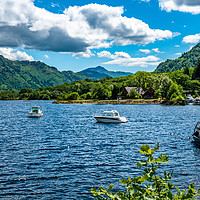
(131,35)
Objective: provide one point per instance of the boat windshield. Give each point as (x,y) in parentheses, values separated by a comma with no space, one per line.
(35,109)
(107,114)
(110,113)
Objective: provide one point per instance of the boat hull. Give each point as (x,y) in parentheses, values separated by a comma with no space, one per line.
(115,120)
(196,139)
(35,115)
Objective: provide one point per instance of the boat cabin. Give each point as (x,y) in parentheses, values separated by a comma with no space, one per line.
(35,109)
(112,113)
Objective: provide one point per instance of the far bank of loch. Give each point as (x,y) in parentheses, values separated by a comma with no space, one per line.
(125,101)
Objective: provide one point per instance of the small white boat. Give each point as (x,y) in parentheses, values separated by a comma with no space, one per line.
(110,117)
(189,99)
(197,101)
(35,112)
(196,134)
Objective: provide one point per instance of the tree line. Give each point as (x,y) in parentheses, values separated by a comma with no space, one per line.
(170,86)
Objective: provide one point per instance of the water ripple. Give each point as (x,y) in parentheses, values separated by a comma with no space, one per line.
(65,153)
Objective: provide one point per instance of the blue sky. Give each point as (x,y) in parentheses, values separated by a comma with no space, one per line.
(131,35)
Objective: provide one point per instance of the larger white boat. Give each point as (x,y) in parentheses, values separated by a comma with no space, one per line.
(110,117)
(35,112)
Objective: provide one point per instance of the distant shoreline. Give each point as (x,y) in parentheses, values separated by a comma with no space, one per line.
(126,101)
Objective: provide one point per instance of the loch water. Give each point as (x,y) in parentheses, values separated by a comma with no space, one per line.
(65,153)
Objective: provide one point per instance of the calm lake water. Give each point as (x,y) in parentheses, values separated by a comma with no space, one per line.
(65,153)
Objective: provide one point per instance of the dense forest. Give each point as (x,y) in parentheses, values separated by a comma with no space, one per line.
(170,86)
(32,74)
(26,74)
(189,59)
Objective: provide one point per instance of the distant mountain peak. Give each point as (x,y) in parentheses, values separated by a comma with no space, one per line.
(101,72)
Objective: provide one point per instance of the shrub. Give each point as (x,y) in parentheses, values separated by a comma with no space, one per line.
(134,94)
(149,185)
(73,96)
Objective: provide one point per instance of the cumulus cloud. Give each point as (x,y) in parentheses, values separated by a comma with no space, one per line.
(178,54)
(116,55)
(157,50)
(191,6)
(86,54)
(191,38)
(14,54)
(126,60)
(78,29)
(145,51)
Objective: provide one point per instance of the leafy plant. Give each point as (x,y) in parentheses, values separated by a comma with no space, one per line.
(134,94)
(150,185)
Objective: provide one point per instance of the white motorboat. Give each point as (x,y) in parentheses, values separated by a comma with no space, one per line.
(35,112)
(197,101)
(110,117)
(189,99)
(196,135)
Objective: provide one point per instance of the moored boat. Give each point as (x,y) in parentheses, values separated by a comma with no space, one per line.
(110,117)
(196,134)
(189,99)
(197,101)
(35,112)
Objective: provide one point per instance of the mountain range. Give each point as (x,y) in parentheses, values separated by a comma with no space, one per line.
(35,74)
(189,59)
(100,72)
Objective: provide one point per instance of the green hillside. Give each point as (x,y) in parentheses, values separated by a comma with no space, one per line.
(26,74)
(189,59)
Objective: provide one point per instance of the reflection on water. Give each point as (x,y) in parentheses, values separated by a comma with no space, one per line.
(65,153)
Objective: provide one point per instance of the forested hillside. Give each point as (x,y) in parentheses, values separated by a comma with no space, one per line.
(189,59)
(26,74)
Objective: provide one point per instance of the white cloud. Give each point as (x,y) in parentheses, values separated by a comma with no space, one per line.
(105,54)
(191,6)
(191,38)
(190,48)
(86,54)
(157,50)
(116,55)
(78,29)
(176,34)
(145,51)
(177,46)
(14,54)
(129,61)
(178,54)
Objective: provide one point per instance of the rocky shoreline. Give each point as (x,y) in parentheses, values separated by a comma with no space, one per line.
(127,101)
